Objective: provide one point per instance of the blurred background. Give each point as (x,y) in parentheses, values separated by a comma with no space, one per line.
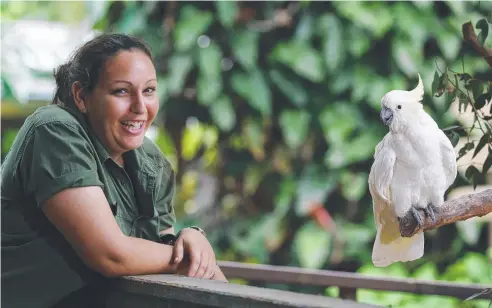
(270,116)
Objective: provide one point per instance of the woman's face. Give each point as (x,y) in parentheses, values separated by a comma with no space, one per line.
(124,103)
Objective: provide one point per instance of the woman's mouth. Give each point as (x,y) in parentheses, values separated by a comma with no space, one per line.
(133,126)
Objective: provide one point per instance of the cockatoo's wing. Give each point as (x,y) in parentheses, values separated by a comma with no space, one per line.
(448,158)
(381,174)
(389,246)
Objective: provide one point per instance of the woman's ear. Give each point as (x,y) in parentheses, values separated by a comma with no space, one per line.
(79,97)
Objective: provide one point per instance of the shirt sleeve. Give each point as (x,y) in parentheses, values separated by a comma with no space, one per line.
(57,156)
(165,198)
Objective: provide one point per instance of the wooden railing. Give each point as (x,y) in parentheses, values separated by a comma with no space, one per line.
(152,291)
(166,291)
(350,282)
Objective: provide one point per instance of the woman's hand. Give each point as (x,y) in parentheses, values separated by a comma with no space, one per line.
(195,246)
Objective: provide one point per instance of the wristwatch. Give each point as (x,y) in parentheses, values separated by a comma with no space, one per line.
(170,239)
(199,230)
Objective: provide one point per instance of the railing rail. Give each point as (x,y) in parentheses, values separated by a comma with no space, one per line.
(158,291)
(350,282)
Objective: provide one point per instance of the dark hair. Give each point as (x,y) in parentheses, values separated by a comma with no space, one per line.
(86,63)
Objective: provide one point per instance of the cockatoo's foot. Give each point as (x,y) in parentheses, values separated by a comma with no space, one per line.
(415,213)
(411,219)
(430,211)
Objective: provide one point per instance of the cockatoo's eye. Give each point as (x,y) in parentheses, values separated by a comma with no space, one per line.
(399,106)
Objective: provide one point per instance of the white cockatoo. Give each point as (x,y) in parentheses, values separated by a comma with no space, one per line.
(414,165)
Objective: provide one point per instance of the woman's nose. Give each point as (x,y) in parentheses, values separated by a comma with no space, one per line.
(138,104)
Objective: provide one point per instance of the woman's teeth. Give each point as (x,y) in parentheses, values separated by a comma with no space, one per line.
(133,124)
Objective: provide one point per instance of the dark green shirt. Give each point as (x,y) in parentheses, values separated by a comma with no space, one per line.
(54,150)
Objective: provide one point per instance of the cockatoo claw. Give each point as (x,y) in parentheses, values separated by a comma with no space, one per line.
(411,220)
(430,211)
(415,213)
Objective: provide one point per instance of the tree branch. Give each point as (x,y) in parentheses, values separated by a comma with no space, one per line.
(470,37)
(461,208)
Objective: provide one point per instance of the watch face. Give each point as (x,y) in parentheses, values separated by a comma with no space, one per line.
(168,239)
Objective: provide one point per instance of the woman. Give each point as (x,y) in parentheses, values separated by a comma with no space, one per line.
(85,194)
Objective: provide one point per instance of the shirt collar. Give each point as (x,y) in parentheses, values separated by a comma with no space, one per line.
(101,151)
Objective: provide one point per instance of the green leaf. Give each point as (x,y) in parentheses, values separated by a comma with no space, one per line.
(451,97)
(252,179)
(254,89)
(295,126)
(356,237)
(482,100)
(308,64)
(469,230)
(312,245)
(162,90)
(436,83)
(476,86)
(179,67)
(8,139)
(455,138)
(483,25)
(301,58)
(283,198)
(361,14)
(488,162)
(463,105)
(449,43)
(354,185)
(292,89)
(333,47)
(132,19)
(338,121)
(358,41)
(467,147)
(427,271)
(227,12)
(240,83)
(304,29)
(260,95)
(191,141)
(481,143)
(341,82)
(477,267)
(313,186)
(191,24)
(209,60)
(245,48)
(253,133)
(208,88)
(471,174)
(405,56)
(356,150)
(222,113)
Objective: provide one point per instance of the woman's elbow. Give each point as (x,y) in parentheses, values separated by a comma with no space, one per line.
(110,263)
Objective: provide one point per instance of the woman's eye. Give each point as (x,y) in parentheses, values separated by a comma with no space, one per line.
(150,90)
(120,91)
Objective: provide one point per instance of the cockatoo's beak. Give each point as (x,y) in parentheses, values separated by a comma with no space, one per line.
(386,116)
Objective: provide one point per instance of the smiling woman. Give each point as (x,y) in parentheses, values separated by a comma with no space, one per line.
(85,195)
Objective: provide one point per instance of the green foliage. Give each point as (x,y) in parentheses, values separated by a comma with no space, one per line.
(289,95)
(475,93)
(473,268)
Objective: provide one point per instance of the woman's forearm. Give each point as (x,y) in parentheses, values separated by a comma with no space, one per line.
(137,256)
